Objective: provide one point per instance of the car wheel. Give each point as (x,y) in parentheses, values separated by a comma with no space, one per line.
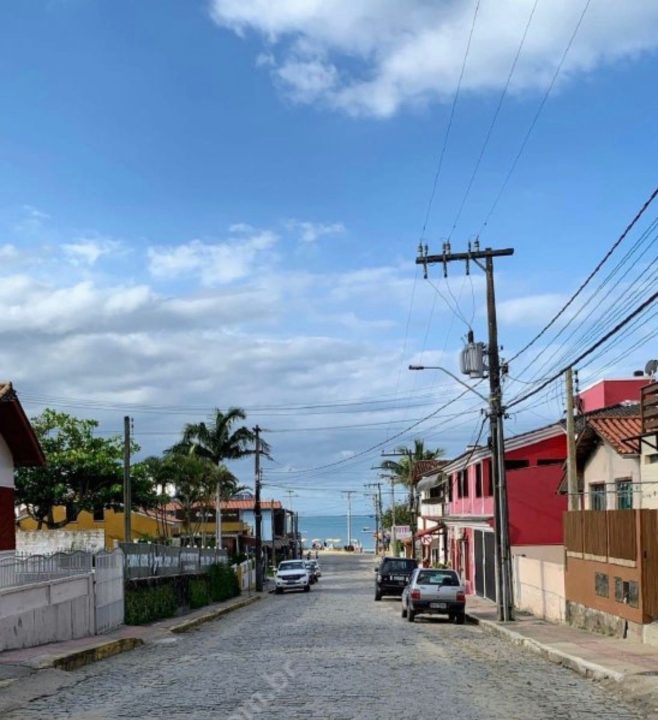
(460,618)
(378,596)
(411,615)
(403,612)
(307,588)
(278,591)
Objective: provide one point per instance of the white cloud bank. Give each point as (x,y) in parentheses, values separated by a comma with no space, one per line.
(215,263)
(372,57)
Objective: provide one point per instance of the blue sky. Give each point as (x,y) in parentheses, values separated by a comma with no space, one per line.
(212,204)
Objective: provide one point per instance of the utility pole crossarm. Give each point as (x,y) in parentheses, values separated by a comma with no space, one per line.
(473,255)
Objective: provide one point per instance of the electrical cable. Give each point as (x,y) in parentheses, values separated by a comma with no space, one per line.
(643,306)
(587,280)
(544,99)
(469,186)
(450,122)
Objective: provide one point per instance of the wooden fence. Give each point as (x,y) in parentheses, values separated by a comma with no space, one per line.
(602,534)
(612,562)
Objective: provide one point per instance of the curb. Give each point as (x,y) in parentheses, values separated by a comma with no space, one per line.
(75,660)
(213,615)
(80,658)
(585,668)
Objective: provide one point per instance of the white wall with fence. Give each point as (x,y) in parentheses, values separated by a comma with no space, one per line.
(152,560)
(539,588)
(246,572)
(63,596)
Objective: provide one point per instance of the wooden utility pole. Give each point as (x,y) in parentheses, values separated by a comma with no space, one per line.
(258,514)
(218,516)
(127,490)
(349,494)
(504,597)
(572,472)
(377,497)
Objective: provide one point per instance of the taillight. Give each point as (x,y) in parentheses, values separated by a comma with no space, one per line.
(461,597)
(415,594)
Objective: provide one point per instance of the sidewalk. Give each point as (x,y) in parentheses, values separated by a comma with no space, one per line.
(595,656)
(72,654)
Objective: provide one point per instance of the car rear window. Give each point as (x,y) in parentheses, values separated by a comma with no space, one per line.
(436,577)
(400,565)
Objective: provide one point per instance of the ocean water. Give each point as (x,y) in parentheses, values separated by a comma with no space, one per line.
(335,526)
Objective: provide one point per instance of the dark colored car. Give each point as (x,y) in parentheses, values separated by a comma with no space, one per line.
(393,575)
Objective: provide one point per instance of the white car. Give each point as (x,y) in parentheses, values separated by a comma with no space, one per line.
(292,575)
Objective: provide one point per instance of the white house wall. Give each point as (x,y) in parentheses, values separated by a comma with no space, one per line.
(606,466)
(649,475)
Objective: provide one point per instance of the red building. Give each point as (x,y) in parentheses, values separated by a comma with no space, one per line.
(534,468)
(18,447)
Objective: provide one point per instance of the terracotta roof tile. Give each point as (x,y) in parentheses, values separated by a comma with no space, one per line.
(615,430)
(250,503)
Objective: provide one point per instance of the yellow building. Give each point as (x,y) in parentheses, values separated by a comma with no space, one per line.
(144,526)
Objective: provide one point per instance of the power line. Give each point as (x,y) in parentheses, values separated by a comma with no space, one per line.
(587,280)
(493,121)
(450,121)
(643,306)
(535,119)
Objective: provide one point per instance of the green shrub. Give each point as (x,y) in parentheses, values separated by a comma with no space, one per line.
(223,582)
(199,592)
(146,604)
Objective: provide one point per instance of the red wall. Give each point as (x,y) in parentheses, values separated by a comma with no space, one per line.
(535,508)
(611,392)
(7,519)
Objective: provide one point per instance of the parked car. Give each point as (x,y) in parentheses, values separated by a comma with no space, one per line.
(292,575)
(392,576)
(434,592)
(314,566)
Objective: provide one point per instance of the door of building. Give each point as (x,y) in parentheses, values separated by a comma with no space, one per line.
(489,566)
(485,569)
(479,562)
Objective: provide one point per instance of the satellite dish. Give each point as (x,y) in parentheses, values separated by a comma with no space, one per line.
(651,368)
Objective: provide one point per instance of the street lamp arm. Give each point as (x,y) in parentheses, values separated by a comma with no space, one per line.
(452,375)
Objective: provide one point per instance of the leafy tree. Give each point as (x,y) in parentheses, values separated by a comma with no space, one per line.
(403,516)
(82,472)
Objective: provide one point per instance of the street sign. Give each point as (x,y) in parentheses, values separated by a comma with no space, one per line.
(402,532)
(426,539)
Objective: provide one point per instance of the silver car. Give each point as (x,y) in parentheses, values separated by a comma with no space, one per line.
(434,592)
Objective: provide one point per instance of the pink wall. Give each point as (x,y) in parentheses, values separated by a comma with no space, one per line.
(535,508)
(611,392)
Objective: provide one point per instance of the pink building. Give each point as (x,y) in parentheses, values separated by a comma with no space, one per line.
(606,393)
(534,468)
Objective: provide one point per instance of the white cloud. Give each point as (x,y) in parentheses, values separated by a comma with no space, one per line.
(530,310)
(88,251)
(8,252)
(309,232)
(370,57)
(32,220)
(215,263)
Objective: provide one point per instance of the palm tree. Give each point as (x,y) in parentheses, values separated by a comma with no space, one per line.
(402,469)
(217,442)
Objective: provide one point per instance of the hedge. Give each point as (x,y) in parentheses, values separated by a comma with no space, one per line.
(155,598)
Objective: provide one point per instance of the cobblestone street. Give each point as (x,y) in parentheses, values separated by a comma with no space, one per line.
(330,654)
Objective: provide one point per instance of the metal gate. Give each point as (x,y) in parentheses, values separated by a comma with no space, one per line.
(108,587)
(485,570)
(489,566)
(479,563)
